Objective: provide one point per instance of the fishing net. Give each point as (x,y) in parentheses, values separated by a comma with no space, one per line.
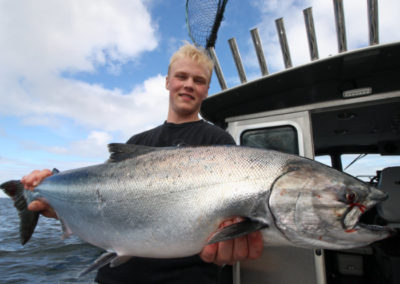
(203,18)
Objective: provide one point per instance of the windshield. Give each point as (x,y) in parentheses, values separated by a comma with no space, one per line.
(365,167)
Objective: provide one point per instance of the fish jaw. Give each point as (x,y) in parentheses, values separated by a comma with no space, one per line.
(327,206)
(356,208)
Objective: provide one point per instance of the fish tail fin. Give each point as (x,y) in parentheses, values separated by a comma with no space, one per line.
(28,219)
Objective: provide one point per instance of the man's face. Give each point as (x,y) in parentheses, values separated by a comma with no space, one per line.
(188,84)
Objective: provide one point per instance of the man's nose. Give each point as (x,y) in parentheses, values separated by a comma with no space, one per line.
(188,83)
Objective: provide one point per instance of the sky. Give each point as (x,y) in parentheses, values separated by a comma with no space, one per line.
(77,75)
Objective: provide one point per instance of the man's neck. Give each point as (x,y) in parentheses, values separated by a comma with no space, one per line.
(182,119)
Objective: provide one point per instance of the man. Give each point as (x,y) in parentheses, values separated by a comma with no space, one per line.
(188,81)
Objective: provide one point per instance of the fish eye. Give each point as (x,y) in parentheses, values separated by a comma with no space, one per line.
(351,197)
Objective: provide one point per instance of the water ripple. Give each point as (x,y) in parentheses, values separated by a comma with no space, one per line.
(46,258)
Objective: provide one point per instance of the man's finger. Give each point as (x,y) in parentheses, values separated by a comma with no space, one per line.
(225,249)
(34,178)
(50,213)
(43,208)
(209,253)
(255,241)
(240,248)
(37,205)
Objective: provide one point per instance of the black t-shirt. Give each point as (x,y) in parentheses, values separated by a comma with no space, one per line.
(189,133)
(177,270)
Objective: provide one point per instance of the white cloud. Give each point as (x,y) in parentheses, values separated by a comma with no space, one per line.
(389,20)
(93,106)
(94,146)
(40,36)
(355,20)
(42,39)
(91,150)
(14,169)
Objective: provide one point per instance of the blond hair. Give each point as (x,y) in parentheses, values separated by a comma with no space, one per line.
(197,54)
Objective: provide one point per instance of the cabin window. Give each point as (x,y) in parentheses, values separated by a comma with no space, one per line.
(281,138)
(365,167)
(324,159)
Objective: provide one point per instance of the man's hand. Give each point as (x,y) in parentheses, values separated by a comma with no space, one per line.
(30,182)
(34,178)
(229,252)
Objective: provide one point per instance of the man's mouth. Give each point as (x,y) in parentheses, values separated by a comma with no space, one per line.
(187,96)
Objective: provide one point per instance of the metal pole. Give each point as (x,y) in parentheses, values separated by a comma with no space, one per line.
(259,51)
(217,68)
(236,273)
(238,60)
(320,269)
(340,25)
(373,22)
(312,40)
(283,41)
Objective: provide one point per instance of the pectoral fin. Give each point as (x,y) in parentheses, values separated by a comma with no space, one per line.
(237,230)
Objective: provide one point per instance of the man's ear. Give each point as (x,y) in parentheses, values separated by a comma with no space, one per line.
(206,94)
(167,83)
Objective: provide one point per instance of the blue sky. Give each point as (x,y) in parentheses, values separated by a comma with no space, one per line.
(77,75)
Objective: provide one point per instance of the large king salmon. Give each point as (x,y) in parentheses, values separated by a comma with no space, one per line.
(167,202)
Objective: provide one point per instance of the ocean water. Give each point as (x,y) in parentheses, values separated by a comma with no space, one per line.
(46,258)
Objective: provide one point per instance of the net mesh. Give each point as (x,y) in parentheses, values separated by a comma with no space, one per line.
(203,18)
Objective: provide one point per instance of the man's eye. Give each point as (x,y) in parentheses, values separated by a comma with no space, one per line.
(199,81)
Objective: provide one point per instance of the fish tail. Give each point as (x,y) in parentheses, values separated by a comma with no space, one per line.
(28,219)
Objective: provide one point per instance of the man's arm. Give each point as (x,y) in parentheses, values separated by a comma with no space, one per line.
(30,182)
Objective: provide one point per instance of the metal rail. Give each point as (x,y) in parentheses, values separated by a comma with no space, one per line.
(238,60)
(259,51)
(312,39)
(373,22)
(283,41)
(340,25)
(217,68)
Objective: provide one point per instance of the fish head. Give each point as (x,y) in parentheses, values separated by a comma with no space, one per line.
(316,206)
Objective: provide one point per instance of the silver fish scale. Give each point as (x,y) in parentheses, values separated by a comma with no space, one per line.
(165,203)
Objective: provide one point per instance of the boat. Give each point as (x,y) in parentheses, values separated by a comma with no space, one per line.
(339,110)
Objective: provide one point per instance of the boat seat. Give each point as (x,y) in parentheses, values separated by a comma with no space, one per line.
(389,182)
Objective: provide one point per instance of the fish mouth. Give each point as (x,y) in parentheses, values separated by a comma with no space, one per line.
(365,216)
(364,219)
(375,228)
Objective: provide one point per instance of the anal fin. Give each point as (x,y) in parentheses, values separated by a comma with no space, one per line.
(237,230)
(103,260)
(106,258)
(120,260)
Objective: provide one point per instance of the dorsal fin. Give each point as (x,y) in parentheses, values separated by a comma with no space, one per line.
(120,151)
